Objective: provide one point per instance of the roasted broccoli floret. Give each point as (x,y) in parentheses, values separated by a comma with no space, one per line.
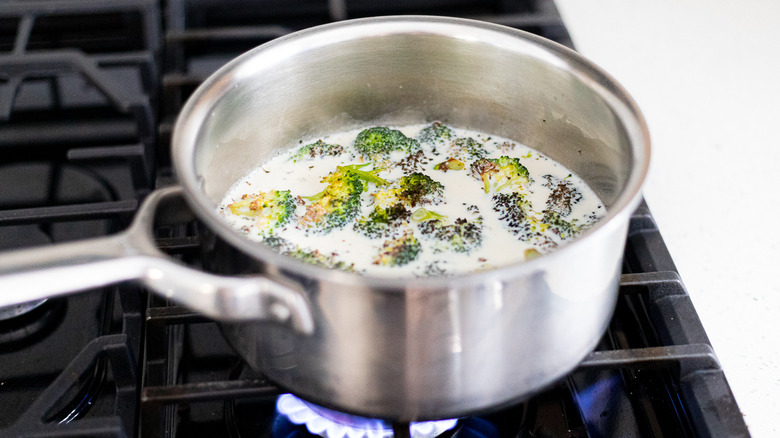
(413,162)
(461,236)
(419,188)
(273,209)
(339,203)
(500,173)
(435,269)
(379,142)
(563,195)
(450,164)
(318,149)
(411,190)
(467,149)
(512,209)
(381,222)
(560,226)
(399,251)
(521,221)
(289,249)
(278,244)
(436,133)
(319,259)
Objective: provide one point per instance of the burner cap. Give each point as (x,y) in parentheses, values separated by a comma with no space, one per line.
(332,424)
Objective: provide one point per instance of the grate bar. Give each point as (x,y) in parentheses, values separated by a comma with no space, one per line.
(101,152)
(91,211)
(227,33)
(199,392)
(47,7)
(173,315)
(690,357)
(55,62)
(23,33)
(171,80)
(656,279)
(69,131)
(179,245)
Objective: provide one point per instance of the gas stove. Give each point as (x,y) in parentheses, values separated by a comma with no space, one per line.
(89,91)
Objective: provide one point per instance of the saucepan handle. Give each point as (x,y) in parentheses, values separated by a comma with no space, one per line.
(44,272)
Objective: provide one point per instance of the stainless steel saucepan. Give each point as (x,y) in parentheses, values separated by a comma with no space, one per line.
(405,349)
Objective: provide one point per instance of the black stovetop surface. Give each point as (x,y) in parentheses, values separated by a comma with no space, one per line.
(88,94)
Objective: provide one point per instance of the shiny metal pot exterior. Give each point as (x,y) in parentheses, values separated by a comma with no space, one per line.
(404,349)
(427,351)
(410,349)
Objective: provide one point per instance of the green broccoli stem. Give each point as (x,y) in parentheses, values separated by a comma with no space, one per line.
(316,197)
(486,180)
(422,215)
(505,185)
(368,176)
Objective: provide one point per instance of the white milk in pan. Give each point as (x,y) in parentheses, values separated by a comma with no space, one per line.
(421,200)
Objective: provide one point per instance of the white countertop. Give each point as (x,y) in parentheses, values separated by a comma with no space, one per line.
(706,75)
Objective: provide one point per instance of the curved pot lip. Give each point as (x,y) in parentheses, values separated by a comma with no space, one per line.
(198,107)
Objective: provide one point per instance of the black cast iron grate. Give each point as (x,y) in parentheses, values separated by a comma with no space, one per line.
(79,85)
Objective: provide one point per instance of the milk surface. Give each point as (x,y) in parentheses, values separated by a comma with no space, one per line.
(500,245)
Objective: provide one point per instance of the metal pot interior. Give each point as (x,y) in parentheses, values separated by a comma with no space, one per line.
(403,70)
